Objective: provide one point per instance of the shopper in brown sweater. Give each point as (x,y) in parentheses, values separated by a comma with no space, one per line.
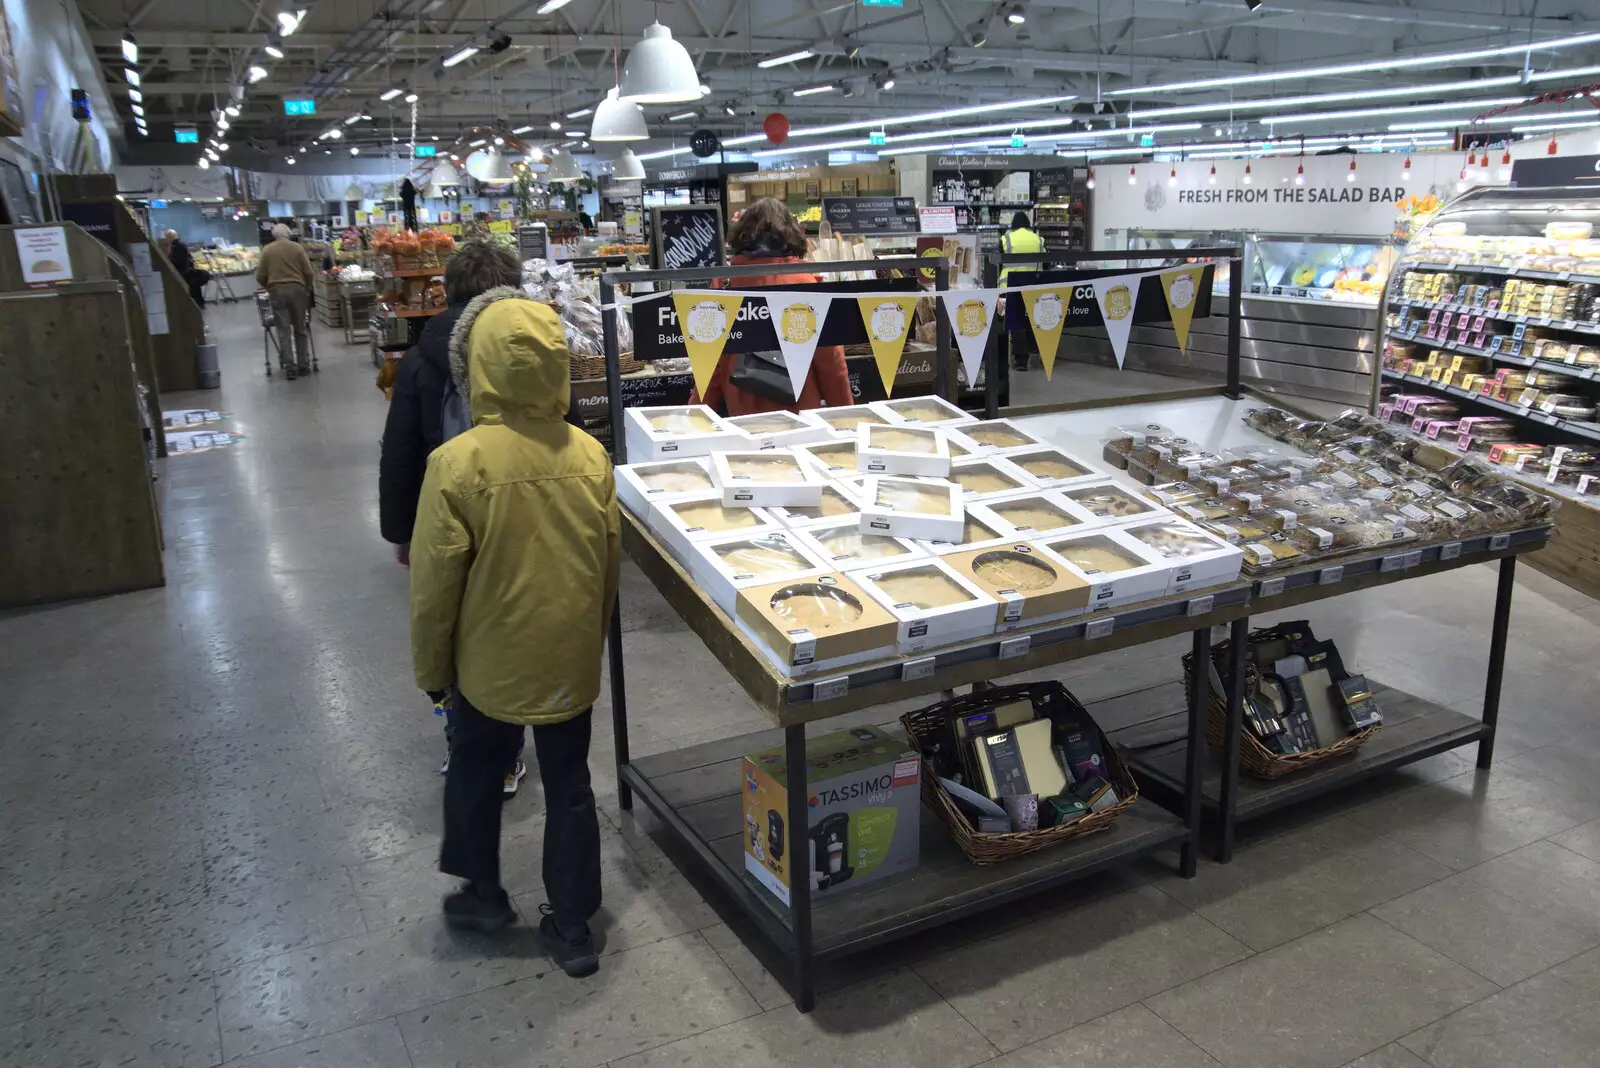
(285,273)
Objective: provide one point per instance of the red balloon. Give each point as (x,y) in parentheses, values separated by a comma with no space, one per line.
(776,127)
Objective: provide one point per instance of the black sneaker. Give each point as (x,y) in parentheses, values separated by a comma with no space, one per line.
(575,955)
(288,374)
(468,909)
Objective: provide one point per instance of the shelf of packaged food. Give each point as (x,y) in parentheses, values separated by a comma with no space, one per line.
(1586,372)
(1590,431)
(1541,321)
(696,791)
(982,204)
(1413,729)
(1568,493)
(1503,272)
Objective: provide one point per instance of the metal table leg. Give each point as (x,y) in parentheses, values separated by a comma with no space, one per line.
(1233,730)
(799,841)
(619,702)
(1497,657)
(1189,859)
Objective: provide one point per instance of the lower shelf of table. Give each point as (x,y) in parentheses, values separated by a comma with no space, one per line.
(695,792)
(1413,729)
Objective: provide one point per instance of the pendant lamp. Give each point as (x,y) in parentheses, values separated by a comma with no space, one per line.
(489,167)
(562,167)
(444,175)
(628,165)
(659,70)
(617,120)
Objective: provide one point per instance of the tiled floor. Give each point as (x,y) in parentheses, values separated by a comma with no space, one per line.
(221,817)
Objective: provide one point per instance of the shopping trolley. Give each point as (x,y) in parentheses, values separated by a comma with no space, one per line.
(269,320)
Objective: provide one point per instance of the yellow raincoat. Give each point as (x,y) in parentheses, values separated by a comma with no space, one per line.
(514,557)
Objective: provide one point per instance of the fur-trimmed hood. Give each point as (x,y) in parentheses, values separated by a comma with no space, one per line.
(508,357)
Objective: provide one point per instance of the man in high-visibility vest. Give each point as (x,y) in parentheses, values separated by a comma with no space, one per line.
(1020,239)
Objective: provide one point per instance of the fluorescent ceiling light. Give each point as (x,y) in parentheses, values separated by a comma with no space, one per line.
(680,116)
(1324,98)
(130,48)
(1405,63)
(813,90)
(728,109)
(462,55)
(788,57)
(255,74)
(274,51)
(580,113)
(574,133)
(1541,127)
(1374,113)
(552,5)
(353,119)
(523,130)
(1439,125)
(389,94)
(131,75)
(411,98)
(135,96)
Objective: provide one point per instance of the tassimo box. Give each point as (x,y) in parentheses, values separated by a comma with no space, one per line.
(865,813)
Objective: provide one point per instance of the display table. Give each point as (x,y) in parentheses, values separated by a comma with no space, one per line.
(695,791)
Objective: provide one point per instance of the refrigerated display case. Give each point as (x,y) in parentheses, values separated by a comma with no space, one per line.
(1318,266)
(1490,327)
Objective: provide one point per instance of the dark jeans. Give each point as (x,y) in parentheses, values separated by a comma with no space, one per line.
(1019,351)
(483,751)
(450,736)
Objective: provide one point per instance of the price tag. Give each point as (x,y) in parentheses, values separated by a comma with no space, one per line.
(830,689)
(1477,324)
(1550,420)
(1269,587)
(1498,542)
(1516,346)
(1494,343)
(1393,562)
(1199,606)
(1450,550)
(1012,648)
(1433,317)
(912,670)
(1563,275)
(1520,329)
(1413,558)
(1444,322)
(1544,320)
(1100,628)
(1329,575)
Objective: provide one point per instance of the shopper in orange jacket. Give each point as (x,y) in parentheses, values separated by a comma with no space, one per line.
(765,232)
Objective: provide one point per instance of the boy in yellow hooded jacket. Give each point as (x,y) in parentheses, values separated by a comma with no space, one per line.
(514,571)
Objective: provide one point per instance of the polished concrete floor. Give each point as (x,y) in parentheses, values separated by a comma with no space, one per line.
(221,820)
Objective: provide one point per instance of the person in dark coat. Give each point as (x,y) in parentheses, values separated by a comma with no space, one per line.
(183,261)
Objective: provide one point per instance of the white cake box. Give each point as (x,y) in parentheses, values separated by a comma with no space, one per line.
(680,521)
(1119,569)
(981,477)
(843,421)
(1198,559)
(901,450)
(1032,514)
(990,436)
(912,508)
(975,533)
(640,484)
(957,609)
(835,458)
(1053,468)
(778,430)
(1111,502)
(927,410)
(681,430)
(767,477)
(839,503)
(724,566)
(842,543)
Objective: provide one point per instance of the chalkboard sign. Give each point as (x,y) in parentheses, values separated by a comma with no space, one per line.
(533,241)
(872,215)
(686,236)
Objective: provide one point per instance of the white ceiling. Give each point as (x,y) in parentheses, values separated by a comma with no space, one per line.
(941,54)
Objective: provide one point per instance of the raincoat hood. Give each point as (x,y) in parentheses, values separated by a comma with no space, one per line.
(509,358)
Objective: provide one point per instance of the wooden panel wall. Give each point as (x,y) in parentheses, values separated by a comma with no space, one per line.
(75,490)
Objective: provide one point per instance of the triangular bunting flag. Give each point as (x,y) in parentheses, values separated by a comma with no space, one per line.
(1116,296)
(1047,314)
(705,316)
(888,320)
(971,315)
(797,319)
(1182,286)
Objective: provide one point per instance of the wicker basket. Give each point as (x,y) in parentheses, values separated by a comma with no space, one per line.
(1255,757)
(585,368)
(927,726)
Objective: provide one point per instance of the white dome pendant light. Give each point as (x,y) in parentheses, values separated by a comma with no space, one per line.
(628,165)
(562,167)
(659,70)
(618,120)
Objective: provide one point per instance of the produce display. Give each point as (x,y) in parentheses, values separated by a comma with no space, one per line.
(227,259)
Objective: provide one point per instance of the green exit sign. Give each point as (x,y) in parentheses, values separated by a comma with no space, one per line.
(427,150)
(187,135)
(876,138)
(1018,141)
(1147,140)
(883,3)
(299,107)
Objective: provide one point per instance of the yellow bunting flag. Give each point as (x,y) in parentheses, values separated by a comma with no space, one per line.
(888,321)
(1182,286)
(1047,314)
(706,317)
